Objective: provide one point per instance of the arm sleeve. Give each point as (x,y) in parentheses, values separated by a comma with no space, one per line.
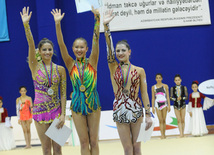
(6,113)
(186,93)
(190,98)
(202,95)
(171,95)
(208,102)
(189,109)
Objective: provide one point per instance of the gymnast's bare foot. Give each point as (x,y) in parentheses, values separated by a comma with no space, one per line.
(163,137)
(27,147)
(181,136)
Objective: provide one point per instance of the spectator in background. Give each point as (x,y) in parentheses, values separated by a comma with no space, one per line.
(7,141)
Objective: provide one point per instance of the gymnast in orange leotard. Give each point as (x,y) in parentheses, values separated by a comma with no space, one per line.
(23,109)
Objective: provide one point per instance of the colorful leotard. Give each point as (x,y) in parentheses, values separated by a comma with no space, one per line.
(88,101)
(46,107)
(127,108)
(25,111)
(160,98)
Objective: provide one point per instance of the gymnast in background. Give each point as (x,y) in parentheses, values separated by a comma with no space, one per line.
(161,102)
(7,141)
(179,94)
(24,112)
(197,126)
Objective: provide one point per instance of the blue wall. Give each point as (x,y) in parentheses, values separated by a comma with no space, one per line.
(187,51)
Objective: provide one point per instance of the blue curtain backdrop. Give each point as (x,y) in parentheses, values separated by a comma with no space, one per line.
(3,22)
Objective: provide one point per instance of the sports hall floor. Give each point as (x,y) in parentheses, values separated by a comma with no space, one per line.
(171,146)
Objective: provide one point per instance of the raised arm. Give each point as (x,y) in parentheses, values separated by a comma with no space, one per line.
(93,59)
(26,16)
(145,98)
(68,60)
(108,16)
(63,95)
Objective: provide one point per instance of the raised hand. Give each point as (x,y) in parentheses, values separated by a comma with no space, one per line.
(57,15)
(25,15)
(95,11)
(108,16)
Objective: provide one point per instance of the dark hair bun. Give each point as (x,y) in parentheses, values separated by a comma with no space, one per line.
(195,82)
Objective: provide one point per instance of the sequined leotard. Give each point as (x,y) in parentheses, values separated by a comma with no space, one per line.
(127,108)
(88,101)
(46,108)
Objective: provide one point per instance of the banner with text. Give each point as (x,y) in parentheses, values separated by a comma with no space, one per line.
(142,14)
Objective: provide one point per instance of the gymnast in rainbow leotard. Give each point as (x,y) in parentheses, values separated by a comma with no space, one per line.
(85,103)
